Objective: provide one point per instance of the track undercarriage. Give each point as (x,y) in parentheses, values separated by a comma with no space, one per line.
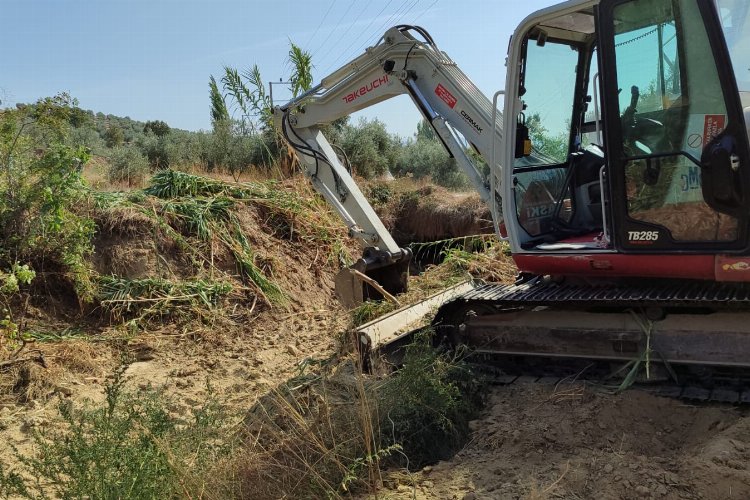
(684,339)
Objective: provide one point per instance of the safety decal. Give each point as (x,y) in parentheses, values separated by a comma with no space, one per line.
(446,96)
(712,126)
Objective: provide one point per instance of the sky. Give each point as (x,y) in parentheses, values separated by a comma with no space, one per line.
(151,59)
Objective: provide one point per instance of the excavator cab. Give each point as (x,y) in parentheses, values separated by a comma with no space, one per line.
(634,115)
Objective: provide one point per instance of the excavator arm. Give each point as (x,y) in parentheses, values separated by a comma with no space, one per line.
(461,115)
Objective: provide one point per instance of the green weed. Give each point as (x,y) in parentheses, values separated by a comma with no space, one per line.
(328,434)
(150,297)
(426,405)
(131,446)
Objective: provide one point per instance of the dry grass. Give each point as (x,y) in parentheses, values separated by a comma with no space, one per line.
(489,261)
(51,364)
(313,437)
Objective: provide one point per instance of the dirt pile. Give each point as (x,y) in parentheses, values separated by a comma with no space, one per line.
(539,441)
(429,213)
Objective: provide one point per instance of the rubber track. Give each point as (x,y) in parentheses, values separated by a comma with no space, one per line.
(690,294)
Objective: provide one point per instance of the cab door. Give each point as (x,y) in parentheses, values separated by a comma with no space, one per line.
(678,155)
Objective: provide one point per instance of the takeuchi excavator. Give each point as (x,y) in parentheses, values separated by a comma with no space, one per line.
(632,234)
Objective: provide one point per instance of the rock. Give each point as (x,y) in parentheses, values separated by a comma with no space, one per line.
(185,372)
(292,350)
(428,484)
(642,491)
(738,445)
(662,490)
(183,384)
(516,435)
(403,488)
(608,469)
(470,496)
(142,352)
(427,469)
(474,425)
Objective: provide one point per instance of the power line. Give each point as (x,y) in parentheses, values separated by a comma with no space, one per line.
(351,4)
(309,42)
(426,10)
(407,11)
(343,35)
(363,32)
(377,33)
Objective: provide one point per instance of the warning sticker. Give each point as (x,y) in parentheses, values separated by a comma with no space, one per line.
(712,126)
(446,96)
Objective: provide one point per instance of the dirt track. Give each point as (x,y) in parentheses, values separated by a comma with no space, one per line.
(574,442)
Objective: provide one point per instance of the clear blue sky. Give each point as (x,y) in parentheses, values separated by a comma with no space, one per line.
(151,59)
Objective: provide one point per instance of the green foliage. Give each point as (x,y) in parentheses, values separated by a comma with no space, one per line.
(18,275)
(426,405)
(248,93)
(326,434)
(127,164)
(556,147)
(425,156)
(156,127)
(425,132)
(200,206)
(114,136)
(428,158)
(371,150)
(369,310)
(131,446)
(172,184)
(158,297)
(40,189)
(301,62)
(380,193)
(10,286)
(199,215)
(219,110)
(161,151)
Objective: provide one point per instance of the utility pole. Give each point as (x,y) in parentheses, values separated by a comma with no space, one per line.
(270,88)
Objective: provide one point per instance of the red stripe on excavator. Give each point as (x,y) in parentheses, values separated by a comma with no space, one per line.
(700,267)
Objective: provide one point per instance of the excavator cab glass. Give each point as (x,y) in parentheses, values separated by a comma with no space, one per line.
(556,189)
(676,136)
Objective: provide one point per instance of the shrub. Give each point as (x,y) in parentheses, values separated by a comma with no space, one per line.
(129,447)
(428,158)
(426,405)
(114,136)
(371,150)
(40,189)
(325,434)
(156,127)
(127,164)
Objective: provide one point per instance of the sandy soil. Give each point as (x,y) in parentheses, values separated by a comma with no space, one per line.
(575,442)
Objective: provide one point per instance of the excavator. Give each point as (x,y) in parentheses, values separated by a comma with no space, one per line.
(618,171)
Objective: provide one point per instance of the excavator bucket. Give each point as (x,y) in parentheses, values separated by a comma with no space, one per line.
(372,279)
